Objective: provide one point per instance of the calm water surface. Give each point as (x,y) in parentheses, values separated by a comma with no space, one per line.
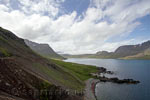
(135,69)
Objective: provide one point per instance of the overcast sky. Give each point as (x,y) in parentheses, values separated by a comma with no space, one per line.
(78,26)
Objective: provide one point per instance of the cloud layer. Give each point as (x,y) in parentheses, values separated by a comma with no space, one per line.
(45,21)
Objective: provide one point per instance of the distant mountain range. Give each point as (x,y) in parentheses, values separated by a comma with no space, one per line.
(43,49)
(139,51)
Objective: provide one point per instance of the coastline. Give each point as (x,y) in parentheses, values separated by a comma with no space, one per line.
(90,89)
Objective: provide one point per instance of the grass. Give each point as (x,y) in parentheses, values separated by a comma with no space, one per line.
(4,52)
(2,39)
(60,76)
(79,70)
(70,74)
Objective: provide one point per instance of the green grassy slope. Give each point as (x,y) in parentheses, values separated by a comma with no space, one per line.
(79,70)
(35,64)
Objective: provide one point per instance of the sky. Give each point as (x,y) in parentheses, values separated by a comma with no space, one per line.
(78,26)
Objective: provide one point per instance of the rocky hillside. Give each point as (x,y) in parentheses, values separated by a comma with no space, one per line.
(24,73)
(43,49)
(18,84)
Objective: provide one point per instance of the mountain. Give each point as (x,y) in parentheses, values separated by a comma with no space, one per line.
(43,49)
(129,50)
(24,74)
(102,53)
(142,55)
(139,51)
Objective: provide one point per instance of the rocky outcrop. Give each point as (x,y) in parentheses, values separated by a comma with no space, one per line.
(101,70)
(101,76)
(119,81)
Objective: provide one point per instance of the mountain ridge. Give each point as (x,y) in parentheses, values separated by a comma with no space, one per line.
(139,51)
(43,49)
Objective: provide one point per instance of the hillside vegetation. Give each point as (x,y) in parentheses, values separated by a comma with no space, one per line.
(81,71)
(23,69)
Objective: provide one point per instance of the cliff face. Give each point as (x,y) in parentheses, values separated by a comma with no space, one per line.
(43,49)
(23,73)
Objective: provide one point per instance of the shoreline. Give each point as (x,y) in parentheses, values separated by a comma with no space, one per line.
(95,89)
(90,89)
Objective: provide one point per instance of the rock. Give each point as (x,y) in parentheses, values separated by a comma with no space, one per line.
(103,71)
(7,84)
(119,81)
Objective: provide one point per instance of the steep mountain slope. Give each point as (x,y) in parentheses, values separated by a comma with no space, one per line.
(18,84)
(22,70)
(129,50)
(143,55)
(43,49)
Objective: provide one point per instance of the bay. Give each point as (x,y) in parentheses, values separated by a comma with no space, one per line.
(135,69)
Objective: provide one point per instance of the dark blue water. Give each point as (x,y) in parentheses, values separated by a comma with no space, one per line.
(135,69)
